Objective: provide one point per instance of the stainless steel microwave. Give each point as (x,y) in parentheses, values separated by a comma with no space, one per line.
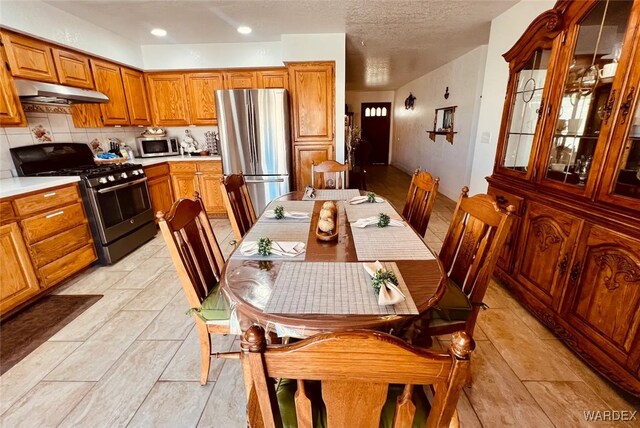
(149,147)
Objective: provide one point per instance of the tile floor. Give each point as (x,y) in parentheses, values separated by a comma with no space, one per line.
(132,358)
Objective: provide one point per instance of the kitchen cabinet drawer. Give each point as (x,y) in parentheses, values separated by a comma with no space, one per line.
(6,212)
(52,222)
(211,166)
(505,199)
(156,170)
(183,167)
(57,246)
(66,266)
(46,200)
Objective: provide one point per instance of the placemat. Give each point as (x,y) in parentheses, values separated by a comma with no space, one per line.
(276,231)
(389,243)
(333,195)
(366,209)
(301,206)
(332,289)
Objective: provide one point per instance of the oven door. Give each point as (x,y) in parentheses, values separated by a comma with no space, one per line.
(121,208)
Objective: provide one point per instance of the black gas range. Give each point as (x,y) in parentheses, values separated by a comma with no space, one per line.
(115,196)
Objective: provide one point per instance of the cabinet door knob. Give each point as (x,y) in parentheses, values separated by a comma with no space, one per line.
(575,273)
(608,107)
(564,263)
(627,105)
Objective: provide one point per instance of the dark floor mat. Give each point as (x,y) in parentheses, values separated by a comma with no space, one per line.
(23,332)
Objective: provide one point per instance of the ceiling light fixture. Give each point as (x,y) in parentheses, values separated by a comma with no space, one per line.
(159,32)
(243,29)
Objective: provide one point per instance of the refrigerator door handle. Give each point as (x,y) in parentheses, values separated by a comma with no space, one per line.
(268,180)
(252,132)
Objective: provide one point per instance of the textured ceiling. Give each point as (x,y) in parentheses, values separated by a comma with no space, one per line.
(389,42)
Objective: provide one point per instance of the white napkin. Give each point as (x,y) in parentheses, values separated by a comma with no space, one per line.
(287,214)
(369,221)
(389,294)
(278,248)
(363,199)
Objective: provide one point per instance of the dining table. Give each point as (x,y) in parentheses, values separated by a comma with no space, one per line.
(326,288)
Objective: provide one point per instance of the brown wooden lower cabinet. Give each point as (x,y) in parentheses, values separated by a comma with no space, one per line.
(47,241)
(304,155)
(18,280)
(547,240)
(581,278)
(197,176)
(160,190)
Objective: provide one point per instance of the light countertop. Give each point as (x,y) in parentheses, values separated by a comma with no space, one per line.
(155,161)
(18,185)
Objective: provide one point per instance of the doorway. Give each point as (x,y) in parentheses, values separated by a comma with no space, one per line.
(375,121)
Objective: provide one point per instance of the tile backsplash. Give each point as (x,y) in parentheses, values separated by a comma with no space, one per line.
(58,127)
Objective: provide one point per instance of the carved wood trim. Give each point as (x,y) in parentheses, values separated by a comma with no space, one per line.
(616,265)
(546,233)
(540,34)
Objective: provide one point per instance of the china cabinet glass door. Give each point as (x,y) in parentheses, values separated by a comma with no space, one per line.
(526,101)
(621,178)
(589,95)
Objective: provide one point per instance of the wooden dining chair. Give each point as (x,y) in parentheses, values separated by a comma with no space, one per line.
(325,170)
(476,235)
(198,260)
(238,204)
(354,378)
(420,198)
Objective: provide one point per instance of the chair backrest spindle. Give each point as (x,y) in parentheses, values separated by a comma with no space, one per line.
(339,171)
(193,248)
(238,204)
(420,198)
(356,369)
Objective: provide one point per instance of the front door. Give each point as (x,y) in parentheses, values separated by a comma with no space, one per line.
(375,121)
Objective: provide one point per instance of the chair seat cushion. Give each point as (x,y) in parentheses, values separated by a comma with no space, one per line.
(454,305)
(214,308)
(286,390)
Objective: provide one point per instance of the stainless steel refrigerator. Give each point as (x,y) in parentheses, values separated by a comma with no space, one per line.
(254,139)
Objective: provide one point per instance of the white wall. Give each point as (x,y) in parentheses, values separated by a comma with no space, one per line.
(354,100)
(212,55)
(506,29)
(412,147)
(50,23)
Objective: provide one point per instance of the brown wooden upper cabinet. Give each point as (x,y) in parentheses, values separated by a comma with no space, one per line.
(11,113)
(73,68)
(29,58)
(268,79)
(240,79)
(108,81)
(136,96)
(168,98)
(202,104)
(312,101)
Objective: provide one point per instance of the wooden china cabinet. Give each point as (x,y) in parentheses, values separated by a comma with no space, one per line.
(569,156)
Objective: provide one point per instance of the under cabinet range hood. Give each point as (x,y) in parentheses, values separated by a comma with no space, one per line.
(31,91)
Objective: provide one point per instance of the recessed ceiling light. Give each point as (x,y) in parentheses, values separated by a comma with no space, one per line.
(244,29)
(159,32)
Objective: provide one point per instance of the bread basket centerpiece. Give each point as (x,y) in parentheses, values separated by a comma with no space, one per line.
(153,131)
(328,222)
